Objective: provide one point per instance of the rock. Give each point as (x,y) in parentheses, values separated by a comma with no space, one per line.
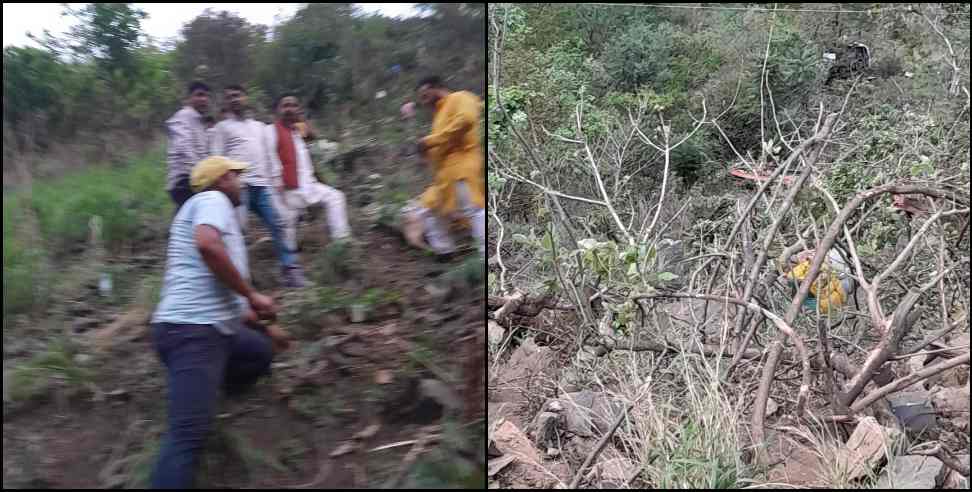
(495,334)
(587,411)
(913,410)
(436,397)
(954,480)
(953,403)
(866,448)
(81,325)
(911,472)
(496,465)
(546,429)
(614,471)
(771,407)
(553,452)
(528,367)
(800,467)
(511,441)
(438,293)
(82,359)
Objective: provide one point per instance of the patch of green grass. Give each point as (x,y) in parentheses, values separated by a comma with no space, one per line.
(471,272)
(23,262)
(130,201)
(252,456)
(32,379)
(50,221)
(141,471)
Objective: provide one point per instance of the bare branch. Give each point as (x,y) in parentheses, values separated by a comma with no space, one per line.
(909,380)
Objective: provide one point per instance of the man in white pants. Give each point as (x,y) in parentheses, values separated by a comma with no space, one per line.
(454,150)
(296,186)
(241,138)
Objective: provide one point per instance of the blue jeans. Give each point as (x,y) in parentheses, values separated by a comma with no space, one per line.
(258,199)
(200,360)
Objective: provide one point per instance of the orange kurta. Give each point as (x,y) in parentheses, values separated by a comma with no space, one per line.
(455,152)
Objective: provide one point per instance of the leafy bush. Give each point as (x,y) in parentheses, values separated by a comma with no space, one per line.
(642,55)
(129,202)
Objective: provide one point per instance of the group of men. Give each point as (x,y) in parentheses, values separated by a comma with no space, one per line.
(278,181)
(212,329)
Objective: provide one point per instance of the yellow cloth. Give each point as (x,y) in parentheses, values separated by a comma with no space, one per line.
(454,149)
(831,283)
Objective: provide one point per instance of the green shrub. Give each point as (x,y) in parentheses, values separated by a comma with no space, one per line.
(131,201)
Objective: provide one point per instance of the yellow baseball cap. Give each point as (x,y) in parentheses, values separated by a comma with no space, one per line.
(210,169)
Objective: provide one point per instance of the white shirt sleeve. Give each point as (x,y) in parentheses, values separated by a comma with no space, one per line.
(216,140)
(273,160)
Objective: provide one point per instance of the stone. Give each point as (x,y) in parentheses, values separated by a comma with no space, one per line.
(511,441)
(913,410)
(81,325)
(953,479)
(771,407)
(496,465)
(440,394)
(587,411)
(911,472)
(495,333)
(528,368)
(867,446)
(546,429)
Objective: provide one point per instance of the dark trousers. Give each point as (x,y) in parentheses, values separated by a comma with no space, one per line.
(180,193)
(200,360)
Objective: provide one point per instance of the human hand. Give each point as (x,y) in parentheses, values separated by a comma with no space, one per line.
(279,337)
(263,305)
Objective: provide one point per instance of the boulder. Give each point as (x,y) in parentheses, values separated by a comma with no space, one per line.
(912,472)
(527,369)
(866,448)
(913,410)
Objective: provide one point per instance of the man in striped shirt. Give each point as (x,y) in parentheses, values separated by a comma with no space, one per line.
(188,142)
(240,138)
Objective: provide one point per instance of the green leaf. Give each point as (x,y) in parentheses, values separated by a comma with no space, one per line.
(547,242)
(667,276)
(633,270)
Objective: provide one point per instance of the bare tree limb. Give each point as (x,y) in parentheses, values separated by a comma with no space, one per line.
(600,447)
(908,380)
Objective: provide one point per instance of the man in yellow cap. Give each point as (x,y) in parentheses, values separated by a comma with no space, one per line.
(454,150)
(205,328)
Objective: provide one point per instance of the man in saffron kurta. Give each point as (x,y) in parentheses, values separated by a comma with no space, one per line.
(454,150)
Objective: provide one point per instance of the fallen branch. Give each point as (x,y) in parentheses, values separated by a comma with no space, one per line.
(527,306)
(510,306)
(706,350)
(780,324)
(600,447)
(945,458)
(908,380)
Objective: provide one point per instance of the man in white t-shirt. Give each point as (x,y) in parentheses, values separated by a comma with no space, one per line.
(241,138)
(205,328)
